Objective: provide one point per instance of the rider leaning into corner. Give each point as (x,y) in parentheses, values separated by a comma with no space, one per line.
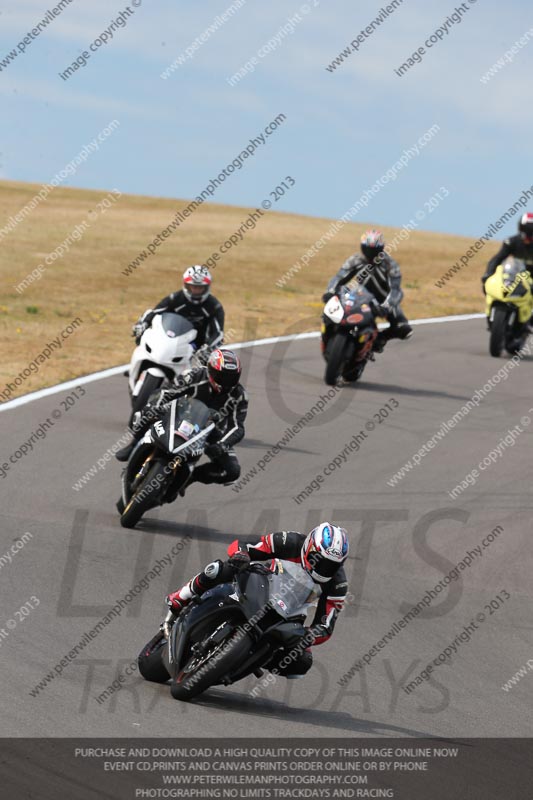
(194,302)
(314,564)
(218,386)
(381,275)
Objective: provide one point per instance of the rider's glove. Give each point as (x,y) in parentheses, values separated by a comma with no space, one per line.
(215,450)
(239,561)
(327,296)
(203,353)
(138,329)
(316,632)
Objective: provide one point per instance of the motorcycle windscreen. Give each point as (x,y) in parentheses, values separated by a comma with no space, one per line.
(186,422)
(189,424)
(292,590)
(175,325)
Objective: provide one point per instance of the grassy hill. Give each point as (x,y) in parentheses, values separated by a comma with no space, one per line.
(88,281)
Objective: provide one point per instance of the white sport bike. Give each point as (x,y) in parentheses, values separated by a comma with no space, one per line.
(164,352)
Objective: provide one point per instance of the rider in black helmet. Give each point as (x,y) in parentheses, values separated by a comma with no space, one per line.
(218,386)
(519,246)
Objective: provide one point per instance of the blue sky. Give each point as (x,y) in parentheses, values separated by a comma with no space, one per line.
(343,130)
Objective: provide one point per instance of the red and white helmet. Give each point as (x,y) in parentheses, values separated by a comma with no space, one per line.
(324,551)
(525,227)
(223,370)
(197,283)
(372,243)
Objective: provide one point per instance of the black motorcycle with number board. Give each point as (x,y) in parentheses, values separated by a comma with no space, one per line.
(164,459)
(232,630)
(352,315)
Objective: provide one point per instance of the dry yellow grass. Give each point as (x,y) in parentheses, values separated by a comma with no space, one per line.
(88,281)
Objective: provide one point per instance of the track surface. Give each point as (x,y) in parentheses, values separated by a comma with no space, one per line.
(80,560)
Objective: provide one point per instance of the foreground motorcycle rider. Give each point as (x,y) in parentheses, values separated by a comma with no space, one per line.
(320,555)
(519,246)
(194,302)
(218,386)
(381,275)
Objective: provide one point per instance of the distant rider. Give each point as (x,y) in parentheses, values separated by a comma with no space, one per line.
(519,246)
(194,302)
(218,386)
(381,275)
(314,565)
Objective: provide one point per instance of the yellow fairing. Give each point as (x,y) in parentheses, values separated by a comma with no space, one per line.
(496,290)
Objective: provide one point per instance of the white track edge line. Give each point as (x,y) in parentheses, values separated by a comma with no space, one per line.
(108,373)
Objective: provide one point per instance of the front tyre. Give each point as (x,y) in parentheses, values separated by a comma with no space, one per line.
(340,351)
(498,328)
(150,385)
(201,672)
(146,495)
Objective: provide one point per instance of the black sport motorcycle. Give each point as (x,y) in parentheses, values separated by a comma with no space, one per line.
(163,461)
(232,630)
(352,314)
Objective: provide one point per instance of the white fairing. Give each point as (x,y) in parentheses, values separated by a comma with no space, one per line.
(334,310)
(164,348)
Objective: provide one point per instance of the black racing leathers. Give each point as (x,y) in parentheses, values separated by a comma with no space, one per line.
(382,277)
(286,546)
(513,246)
(230,410)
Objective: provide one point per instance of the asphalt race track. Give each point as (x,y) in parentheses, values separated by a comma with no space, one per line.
(404,540)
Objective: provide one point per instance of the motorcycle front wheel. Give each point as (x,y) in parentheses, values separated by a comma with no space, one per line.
(146,495)
(497,332)
(150,385)
(340,352)
(201,672)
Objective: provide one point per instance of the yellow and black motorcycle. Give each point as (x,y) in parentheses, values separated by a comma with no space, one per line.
(509,307)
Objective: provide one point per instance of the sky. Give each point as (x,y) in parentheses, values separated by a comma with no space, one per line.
(343,129)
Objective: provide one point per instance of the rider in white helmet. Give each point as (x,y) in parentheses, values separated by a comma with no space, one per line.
(194,302)
(313,565)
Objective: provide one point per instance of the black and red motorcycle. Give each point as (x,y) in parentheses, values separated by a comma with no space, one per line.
(352,330)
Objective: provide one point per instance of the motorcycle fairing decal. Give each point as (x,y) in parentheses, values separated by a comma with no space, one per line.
(203,434)
(186,429)
(172,425)
(334,309)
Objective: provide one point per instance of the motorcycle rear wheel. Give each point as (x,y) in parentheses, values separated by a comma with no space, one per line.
(150,385)
(150,661)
